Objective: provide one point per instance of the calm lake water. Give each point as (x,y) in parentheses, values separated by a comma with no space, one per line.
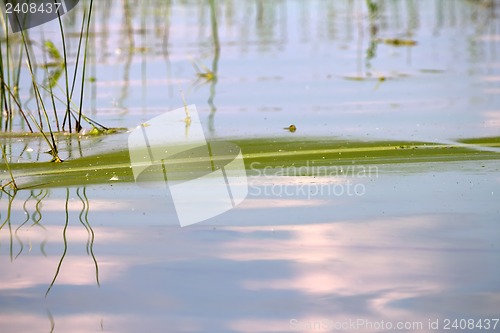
(402,247)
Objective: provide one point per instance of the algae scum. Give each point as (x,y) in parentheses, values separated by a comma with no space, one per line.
(263,153)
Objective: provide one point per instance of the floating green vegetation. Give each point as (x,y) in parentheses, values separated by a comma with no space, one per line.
(328,152)
(114,166)
(485,142)
(204,74)
(398,41)
(93,131)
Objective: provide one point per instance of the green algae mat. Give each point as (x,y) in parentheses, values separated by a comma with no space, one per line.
(113,165)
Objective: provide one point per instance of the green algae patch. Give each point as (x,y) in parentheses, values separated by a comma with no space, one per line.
(484,142)
(258,153)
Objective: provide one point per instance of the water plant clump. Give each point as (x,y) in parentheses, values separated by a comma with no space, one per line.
(53,103)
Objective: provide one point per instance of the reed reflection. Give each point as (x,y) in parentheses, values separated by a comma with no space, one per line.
(20,233)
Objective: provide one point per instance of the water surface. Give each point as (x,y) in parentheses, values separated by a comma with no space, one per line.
(411,243)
